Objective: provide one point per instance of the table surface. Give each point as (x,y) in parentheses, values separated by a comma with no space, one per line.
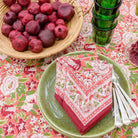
(19,112)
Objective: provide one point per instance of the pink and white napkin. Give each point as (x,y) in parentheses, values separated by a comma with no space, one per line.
(83,89)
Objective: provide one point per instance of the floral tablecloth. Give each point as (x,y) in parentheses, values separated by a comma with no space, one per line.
(20,116)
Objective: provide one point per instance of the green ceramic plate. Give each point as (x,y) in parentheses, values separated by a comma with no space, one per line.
(57,117)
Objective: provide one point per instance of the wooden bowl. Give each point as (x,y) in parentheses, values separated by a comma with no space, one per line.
(74,27)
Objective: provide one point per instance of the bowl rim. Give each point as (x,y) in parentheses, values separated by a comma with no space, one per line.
(94,15)
(96,3)
(105,30)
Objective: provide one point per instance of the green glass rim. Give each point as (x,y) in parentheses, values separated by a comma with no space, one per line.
(105,19)
(108,8)
(108,29)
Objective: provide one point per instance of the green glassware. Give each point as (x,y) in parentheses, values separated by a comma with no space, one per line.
(106,11)
(104,22)
(102,36)
(108,3)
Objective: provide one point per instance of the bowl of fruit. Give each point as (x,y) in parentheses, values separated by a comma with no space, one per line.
(131,52)
(38,28)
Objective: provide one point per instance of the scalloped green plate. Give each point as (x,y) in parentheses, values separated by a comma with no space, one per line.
(57,117)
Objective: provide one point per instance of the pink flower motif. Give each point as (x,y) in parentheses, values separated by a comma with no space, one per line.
(20,62)
(36,129)
(122,24)
(87,82)
(86,29)
(31,85)
(134,97)
(83,3)
(107,136)
(128,36)
(22,135)
(43,67)
(38,136)
(90,105)
(135,131)
(10,83)
(31,98)
(124,9)
(29,101)
(21,125)
(3,56)
(116,38)
(29,69)
(90,47)
(42,120)
(101,68)
(7,110)
(27,107)
(87,106)
(78,99)
(49,59)
(0,78)
(8,129)
(133,11)
(74,64)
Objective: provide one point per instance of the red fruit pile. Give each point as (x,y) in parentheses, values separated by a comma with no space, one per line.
(35,25)
(133,53)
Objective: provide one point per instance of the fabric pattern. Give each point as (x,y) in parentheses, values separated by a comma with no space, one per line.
(20,116)
(61,72)
(86,94)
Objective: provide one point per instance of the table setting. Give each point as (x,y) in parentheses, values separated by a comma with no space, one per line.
(68,69)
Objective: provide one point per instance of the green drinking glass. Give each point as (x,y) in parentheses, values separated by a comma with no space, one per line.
(106,11)
(104,22)
(108,3)
(102,36)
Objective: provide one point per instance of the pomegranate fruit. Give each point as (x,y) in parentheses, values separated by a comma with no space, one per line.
(6,29)
(55,5)
(26,34)
(16,8)
(44,1)
(9,2)
(36,45)
(50,26)
(23,2)
(32,37)
(9,17)
(20,43)
(61,31)
(53,17)
(46,8)
(33,7)
(65,11)
(27,18)
(60,22)
(17,25)
(41,18)
(32,27)
(47,37)
(13,34)
(22,13)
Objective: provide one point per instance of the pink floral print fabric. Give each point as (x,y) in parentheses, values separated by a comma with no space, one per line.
(20,116)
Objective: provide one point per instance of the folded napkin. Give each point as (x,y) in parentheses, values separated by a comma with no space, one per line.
(61,67)
(83,89)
